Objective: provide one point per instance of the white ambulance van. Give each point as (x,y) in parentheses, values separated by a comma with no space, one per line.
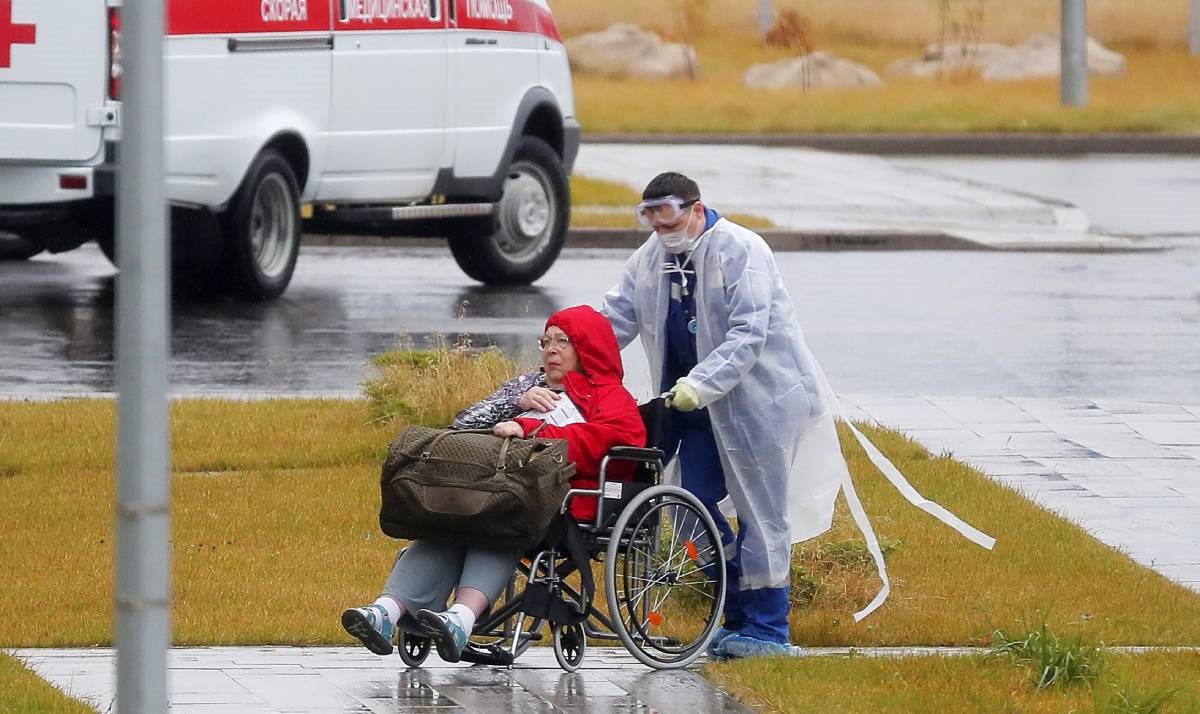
(453,116)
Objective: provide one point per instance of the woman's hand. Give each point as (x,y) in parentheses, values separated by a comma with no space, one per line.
(539,398)
(508,428)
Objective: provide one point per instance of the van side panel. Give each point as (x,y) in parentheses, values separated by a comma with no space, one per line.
(53,79)
(388,116)
(237,78)
(496,62)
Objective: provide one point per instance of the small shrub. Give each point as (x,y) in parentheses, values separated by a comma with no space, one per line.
(695,16)
(429,387)
(789,31)
(854,553)
(1129,700)
(805,586)
(1055,662)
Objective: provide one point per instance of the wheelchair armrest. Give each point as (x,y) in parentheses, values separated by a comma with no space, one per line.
(634,453)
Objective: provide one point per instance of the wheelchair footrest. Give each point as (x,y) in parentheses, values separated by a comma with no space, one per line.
(492,654)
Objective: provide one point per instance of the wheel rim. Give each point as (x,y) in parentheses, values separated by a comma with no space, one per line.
(526,213)
(272,225)
(661,563)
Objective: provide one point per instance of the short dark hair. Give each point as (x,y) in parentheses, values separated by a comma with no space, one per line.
(671,183)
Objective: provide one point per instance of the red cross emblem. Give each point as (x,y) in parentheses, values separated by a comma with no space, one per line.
(12,33)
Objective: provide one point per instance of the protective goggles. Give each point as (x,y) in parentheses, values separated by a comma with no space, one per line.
(662,211)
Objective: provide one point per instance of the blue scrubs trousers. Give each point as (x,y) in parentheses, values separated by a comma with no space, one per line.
(760,613)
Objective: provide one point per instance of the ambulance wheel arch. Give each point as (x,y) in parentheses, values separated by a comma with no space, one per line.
(526,232)
(261,223)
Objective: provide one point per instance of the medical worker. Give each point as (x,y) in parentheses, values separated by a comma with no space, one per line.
(717,324)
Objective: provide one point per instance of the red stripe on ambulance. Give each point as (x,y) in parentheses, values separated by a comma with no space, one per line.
(205,17)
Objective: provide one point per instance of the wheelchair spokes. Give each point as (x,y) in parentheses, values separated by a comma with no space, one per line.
(666,577)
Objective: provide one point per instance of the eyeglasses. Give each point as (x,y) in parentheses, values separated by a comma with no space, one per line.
(559,341)
(662,211)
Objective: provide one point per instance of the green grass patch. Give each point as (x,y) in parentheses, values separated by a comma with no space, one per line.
(1158,682)
(22,691)
(1053,661)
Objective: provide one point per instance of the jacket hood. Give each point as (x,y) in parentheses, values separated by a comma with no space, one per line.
(592,336)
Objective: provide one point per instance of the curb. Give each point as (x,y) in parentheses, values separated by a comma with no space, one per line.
(791,241)
(1032,144)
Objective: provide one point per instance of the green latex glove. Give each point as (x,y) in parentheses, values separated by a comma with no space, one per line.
(683,397)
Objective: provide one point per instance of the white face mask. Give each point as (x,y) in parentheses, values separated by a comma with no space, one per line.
(678,241)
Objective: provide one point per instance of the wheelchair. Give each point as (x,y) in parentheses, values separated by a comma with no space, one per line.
(663,575)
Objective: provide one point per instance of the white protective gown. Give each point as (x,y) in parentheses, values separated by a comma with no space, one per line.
(772,415)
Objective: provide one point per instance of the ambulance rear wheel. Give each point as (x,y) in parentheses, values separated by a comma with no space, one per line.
(525,234)
(262,229)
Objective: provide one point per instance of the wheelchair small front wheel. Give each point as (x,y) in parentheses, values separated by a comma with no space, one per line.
(664,577)
(570,646)
(413,649)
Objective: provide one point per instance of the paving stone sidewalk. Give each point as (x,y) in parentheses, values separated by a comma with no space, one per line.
(350,680)
(1128,472)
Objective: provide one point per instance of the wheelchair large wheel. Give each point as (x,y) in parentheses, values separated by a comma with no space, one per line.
(413,649)
(664,577)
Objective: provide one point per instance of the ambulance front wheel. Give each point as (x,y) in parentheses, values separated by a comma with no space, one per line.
(262,229)
(525,234)
(15,247)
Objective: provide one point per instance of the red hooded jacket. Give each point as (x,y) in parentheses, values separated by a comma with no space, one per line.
(611,413)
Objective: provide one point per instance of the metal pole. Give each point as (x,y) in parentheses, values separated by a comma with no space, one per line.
(766,17)
(1194,27)
(1074,53)
(143,319)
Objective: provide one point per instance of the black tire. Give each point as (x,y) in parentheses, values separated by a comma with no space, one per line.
(570,646)
(196,250)
(15,247)
(529,227)
(262,229)
(664,577)
(412,649)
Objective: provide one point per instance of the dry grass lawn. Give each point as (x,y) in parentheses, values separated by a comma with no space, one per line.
(963,684)
(1148,23)
(1160,91)
(274,508)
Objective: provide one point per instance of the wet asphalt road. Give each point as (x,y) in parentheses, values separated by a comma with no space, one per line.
(882,323)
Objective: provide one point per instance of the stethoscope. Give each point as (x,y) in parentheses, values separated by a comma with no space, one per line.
(674,266)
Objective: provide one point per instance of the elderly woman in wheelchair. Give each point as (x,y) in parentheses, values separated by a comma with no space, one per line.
(576,396)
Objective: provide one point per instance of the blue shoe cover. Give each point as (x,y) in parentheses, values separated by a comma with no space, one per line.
(742,647)
(714,650)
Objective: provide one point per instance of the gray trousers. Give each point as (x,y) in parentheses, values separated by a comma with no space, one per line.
(425,575)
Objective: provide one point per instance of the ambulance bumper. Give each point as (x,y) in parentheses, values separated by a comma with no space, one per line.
(30,186)
(571,133)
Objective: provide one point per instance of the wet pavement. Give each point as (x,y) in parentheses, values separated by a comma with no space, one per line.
(1123,326)
(343,680)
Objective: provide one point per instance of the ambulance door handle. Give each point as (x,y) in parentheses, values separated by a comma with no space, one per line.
(480,41)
